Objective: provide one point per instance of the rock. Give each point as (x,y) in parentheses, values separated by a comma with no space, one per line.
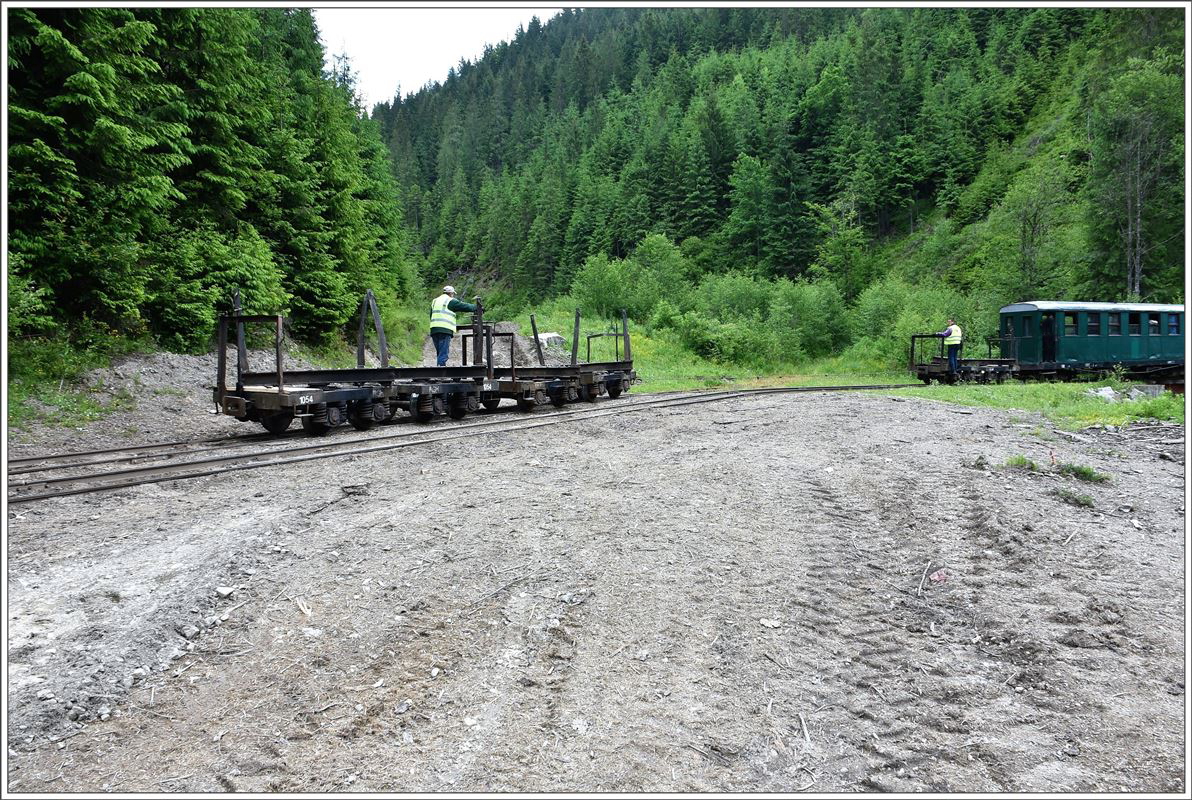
(434,672)
(313,633)
(1106,393)
(770,623)
(471,722)
(187,631)
(551,340)
(224,592)
(45,694)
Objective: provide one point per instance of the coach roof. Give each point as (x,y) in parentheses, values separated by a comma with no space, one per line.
(1057,305)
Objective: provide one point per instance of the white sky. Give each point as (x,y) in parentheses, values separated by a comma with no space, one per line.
(406,47)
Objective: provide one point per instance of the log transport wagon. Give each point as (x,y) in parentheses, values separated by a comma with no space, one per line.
(365,396)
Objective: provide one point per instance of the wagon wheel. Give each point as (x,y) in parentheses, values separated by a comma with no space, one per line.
(525,404)
(587,392)
(457,411)
(558,399)
(278,422)
(491,404)
(419,413)
(361,416)
(614,389)
(315,428)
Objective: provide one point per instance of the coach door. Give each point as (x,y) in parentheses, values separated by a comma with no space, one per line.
(1047,335)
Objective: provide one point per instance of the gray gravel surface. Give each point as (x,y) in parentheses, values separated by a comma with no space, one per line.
(826,592)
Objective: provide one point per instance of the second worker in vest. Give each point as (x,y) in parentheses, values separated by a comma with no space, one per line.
(442,321)
(952,338)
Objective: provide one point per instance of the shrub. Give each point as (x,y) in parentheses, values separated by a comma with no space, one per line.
(733,295)
(809,317)
(745,341)
(604,287)
(28,304)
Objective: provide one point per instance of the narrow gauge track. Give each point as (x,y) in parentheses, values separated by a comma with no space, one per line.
(125,478)
(79,459)
(27,465)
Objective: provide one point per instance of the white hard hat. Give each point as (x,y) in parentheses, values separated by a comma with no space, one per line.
(448,290)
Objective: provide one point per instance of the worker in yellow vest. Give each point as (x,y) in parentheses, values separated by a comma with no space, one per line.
(442,321)
(953,337)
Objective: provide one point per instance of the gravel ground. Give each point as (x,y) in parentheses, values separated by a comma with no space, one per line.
(827,592)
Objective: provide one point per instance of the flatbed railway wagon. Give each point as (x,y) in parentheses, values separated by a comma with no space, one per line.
(367,396)
(1056,340)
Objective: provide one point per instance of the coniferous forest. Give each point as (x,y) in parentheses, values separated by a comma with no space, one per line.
(759,185)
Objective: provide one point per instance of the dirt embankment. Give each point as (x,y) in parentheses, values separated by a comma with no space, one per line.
(826,592)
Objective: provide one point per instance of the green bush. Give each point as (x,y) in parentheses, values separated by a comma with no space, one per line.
(744,341)
(890,311)
(733,295)
(604,286)
(809,318)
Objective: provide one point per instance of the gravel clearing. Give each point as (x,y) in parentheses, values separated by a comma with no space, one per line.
(832,592)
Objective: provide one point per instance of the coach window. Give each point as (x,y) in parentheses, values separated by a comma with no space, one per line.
(1094,323)
(1115,323)
(1152,324)
(1135,323)
(1026,326)
(1173,324)
(1070,323)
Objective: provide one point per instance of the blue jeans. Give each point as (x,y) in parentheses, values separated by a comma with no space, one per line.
(953,357)
(442,346)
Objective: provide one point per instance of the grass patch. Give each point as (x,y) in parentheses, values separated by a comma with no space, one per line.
(45,377)
(1073,498)
(1083,473)
(1067,405)
(1022,462)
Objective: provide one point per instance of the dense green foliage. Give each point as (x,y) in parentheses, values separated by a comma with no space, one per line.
(159,158)
(757,187)
(775,184)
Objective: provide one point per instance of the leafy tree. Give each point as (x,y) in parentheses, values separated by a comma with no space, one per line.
(1137,158)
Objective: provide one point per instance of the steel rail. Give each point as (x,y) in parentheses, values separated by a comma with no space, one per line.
(223,443)
(235,439)
(213,443)
(316,445)
(121,479)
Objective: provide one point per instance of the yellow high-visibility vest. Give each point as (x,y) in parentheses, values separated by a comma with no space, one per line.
(954,335)
(440,315)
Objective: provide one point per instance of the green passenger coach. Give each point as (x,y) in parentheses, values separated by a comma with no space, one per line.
(1048,339)
(1054,338)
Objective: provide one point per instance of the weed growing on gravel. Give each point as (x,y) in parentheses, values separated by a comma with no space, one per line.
(1073,498)
(1081,472)
(1022,462)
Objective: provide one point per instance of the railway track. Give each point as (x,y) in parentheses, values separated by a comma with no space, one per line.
(181,467)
